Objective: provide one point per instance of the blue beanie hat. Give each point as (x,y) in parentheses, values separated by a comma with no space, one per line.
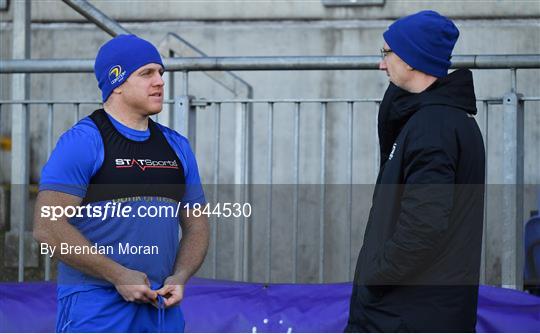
(424,40)
(120,57)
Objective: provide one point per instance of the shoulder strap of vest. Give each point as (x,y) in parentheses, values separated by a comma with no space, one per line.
(100,119)
(152,126)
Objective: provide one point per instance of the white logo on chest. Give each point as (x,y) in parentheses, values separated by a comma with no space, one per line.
(393,150)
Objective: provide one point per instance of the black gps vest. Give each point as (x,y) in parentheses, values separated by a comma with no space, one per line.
(132,169)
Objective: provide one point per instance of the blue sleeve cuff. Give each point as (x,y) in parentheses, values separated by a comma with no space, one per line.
(78,191)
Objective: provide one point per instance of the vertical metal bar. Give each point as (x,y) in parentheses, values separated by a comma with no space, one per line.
(350,180)
(217,154)
(21,243)
(270,181)
(238,180)
(323,190)
(486,109)
(296,167)
(246,227)
(520,190)
(538,200)
(513,164)
(50,122)
(77,112)
(178,124)
(185,119)
(513,80)
(20,181)
(483,264)
(190,112)
(192,123)
(185,81)
(172,93)
(20,84)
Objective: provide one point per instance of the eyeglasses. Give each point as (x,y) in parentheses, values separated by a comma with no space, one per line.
(385,52)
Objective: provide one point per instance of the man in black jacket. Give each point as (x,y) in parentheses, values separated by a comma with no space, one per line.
(418,269)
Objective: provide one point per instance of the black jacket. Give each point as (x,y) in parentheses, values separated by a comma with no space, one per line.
(418,268)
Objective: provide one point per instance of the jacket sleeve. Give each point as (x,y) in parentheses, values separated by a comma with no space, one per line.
(424,216)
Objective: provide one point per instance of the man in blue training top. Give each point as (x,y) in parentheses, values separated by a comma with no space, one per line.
(122,270)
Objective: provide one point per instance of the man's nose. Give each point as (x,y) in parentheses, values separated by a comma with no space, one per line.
(159,81)
(382,65)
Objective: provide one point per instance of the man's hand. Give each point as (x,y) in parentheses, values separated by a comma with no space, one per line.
(190,255)
(172,291)
(134,286)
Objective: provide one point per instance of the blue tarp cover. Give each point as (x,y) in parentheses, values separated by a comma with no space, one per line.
(223,306)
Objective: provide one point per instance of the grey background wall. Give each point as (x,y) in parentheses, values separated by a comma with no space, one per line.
(282,28)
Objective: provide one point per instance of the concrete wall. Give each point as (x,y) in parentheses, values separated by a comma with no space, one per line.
(279,28)
(166,10)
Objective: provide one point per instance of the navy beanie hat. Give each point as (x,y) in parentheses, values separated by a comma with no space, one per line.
(120,57)
(424,40)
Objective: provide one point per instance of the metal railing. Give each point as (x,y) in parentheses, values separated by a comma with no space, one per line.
(513,109)
(290,63)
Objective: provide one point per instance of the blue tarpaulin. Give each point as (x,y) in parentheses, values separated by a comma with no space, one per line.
(223,306)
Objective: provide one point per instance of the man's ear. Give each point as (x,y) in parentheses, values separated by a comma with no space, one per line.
(409,67)
(117,90)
